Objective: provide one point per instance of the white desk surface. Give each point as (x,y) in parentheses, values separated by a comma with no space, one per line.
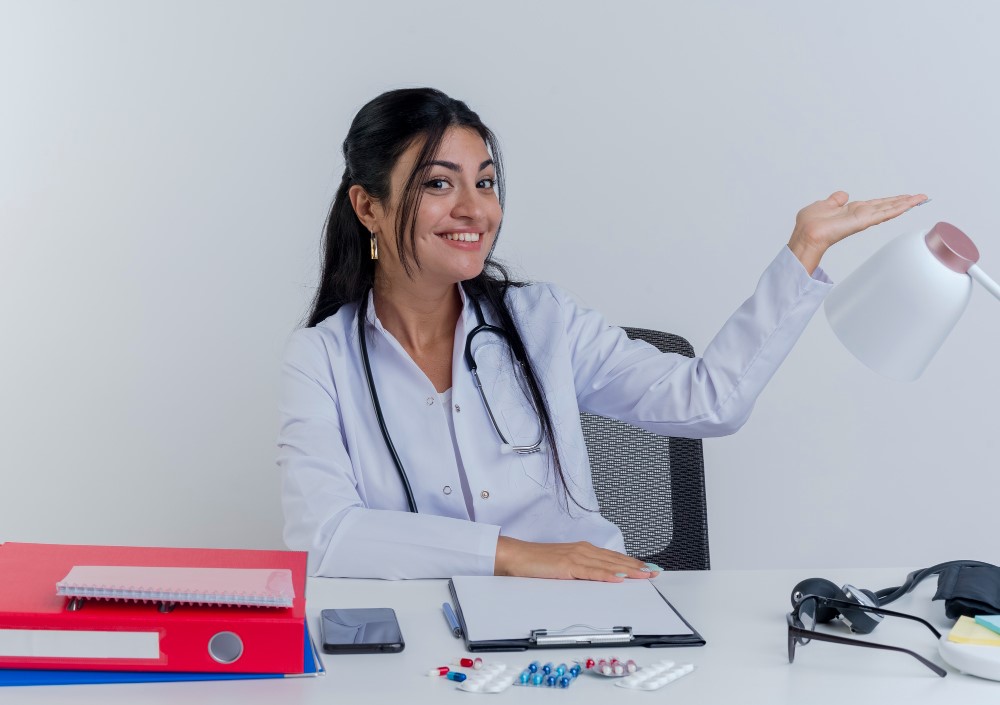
(741,614)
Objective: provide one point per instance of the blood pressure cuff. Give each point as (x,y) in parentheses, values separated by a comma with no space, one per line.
(969,590)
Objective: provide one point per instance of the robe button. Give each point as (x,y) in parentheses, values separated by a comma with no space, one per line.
(446,489)
(458,409)
(484,494)
(430,401)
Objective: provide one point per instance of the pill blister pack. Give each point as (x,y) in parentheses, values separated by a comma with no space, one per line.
(548,675)
(498,677)
(655,676)
(494,678)
(609,667)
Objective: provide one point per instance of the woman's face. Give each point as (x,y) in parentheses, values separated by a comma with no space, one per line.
(458,216)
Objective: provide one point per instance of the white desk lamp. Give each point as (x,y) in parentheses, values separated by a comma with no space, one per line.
(896,309)
(893,313)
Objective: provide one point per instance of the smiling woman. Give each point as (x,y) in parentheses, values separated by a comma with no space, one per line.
(453,228)
(397,462)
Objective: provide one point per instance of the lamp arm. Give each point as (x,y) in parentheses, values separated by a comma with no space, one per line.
(980,276)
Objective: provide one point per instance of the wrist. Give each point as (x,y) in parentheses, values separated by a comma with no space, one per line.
(806,251)
(501,564)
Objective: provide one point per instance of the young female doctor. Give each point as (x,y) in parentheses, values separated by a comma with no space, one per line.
(430,409)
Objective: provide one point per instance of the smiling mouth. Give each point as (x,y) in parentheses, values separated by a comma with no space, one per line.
(461,237)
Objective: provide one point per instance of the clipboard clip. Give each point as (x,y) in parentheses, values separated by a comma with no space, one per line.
(580,634)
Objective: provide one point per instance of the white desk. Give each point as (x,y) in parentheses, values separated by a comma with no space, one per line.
(741,614)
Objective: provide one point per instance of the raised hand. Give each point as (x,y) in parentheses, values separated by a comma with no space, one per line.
(824,223)
(580,560)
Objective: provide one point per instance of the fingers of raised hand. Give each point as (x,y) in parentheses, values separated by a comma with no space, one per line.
(880,210)
(838,198)
(833,206)
(884,201)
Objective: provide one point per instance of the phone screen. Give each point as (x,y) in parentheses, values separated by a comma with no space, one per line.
(361,630)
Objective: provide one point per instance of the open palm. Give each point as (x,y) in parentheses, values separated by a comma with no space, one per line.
(824,223)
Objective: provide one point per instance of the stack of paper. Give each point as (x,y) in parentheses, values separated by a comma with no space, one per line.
(971,631)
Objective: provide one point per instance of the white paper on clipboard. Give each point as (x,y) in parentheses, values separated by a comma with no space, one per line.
(500,608)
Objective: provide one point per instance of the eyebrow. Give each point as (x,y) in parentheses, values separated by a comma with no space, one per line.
(456,167)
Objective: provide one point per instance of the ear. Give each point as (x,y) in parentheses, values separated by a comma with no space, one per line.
(365,207)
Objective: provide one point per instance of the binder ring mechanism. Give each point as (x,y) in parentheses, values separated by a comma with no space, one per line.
(581,634)
(75,604)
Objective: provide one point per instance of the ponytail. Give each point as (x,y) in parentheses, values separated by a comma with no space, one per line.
(348,271)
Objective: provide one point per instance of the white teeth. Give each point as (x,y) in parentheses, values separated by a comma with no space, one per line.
(462,237)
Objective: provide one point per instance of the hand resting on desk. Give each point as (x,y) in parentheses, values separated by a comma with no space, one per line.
(568,561)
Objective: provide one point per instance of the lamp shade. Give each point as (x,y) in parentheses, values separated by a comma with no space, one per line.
(894,312)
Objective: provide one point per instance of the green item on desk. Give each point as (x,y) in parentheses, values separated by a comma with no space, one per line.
(990,621)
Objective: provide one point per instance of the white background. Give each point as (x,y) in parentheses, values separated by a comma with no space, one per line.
(166,167)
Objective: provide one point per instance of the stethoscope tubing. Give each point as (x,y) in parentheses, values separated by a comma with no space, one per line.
(473,367)
(362,316)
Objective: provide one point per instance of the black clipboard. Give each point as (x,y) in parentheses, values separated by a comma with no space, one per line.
(576,635)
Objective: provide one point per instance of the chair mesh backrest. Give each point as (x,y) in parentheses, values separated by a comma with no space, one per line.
(652,487)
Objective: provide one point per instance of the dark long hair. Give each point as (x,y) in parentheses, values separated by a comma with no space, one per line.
(381,131)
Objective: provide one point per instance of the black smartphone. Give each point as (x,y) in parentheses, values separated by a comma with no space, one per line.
(360,631)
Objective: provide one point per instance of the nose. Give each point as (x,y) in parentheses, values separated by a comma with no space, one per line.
(468,204)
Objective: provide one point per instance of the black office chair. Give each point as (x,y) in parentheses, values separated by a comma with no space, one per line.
(652,487)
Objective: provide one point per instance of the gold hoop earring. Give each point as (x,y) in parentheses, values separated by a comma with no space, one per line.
(374,246)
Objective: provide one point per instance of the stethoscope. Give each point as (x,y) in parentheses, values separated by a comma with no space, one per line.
(470,361)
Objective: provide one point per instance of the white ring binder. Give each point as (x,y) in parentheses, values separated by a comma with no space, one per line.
(169,586)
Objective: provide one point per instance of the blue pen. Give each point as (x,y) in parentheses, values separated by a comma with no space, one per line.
(449,614)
